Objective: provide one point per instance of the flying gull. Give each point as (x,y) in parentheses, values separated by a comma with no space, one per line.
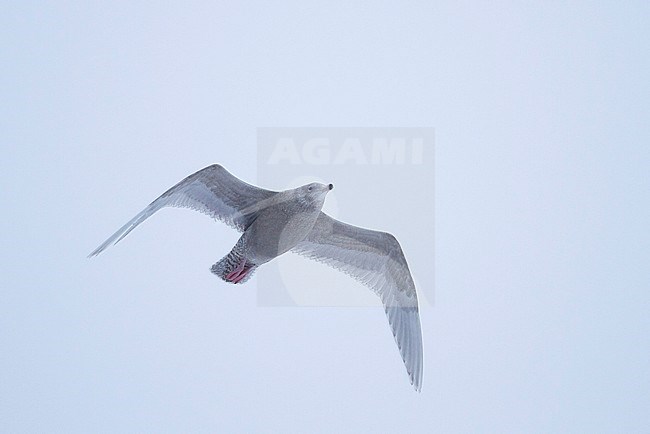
(273,223)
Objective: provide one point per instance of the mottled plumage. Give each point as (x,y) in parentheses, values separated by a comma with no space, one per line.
(273,223)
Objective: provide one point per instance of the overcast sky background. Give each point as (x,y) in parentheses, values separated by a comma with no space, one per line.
(540,321)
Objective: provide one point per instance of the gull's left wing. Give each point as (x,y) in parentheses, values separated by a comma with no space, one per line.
(376,260)
(213,191)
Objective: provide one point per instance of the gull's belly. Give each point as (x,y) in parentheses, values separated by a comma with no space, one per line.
(277,231)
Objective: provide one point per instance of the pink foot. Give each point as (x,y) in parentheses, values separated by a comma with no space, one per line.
(241,277)
(234,274)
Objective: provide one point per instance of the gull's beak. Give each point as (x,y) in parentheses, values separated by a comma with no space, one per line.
(331,187)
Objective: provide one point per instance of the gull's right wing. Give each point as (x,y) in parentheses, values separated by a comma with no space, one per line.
(212,191)
(376,260)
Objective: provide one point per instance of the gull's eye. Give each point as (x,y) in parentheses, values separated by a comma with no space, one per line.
(309,189)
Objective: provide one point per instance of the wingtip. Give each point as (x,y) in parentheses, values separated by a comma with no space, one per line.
(97,251)
(417,385)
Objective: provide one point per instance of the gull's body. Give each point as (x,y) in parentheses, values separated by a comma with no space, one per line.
(273,223)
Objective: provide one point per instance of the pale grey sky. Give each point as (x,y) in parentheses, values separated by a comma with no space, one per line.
(540,321)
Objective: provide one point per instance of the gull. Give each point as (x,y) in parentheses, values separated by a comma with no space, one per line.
(273,223)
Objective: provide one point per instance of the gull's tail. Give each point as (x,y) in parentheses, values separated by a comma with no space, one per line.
(234,267)
(124,230)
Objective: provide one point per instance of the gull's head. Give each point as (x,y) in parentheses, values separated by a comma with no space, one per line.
(314,194)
